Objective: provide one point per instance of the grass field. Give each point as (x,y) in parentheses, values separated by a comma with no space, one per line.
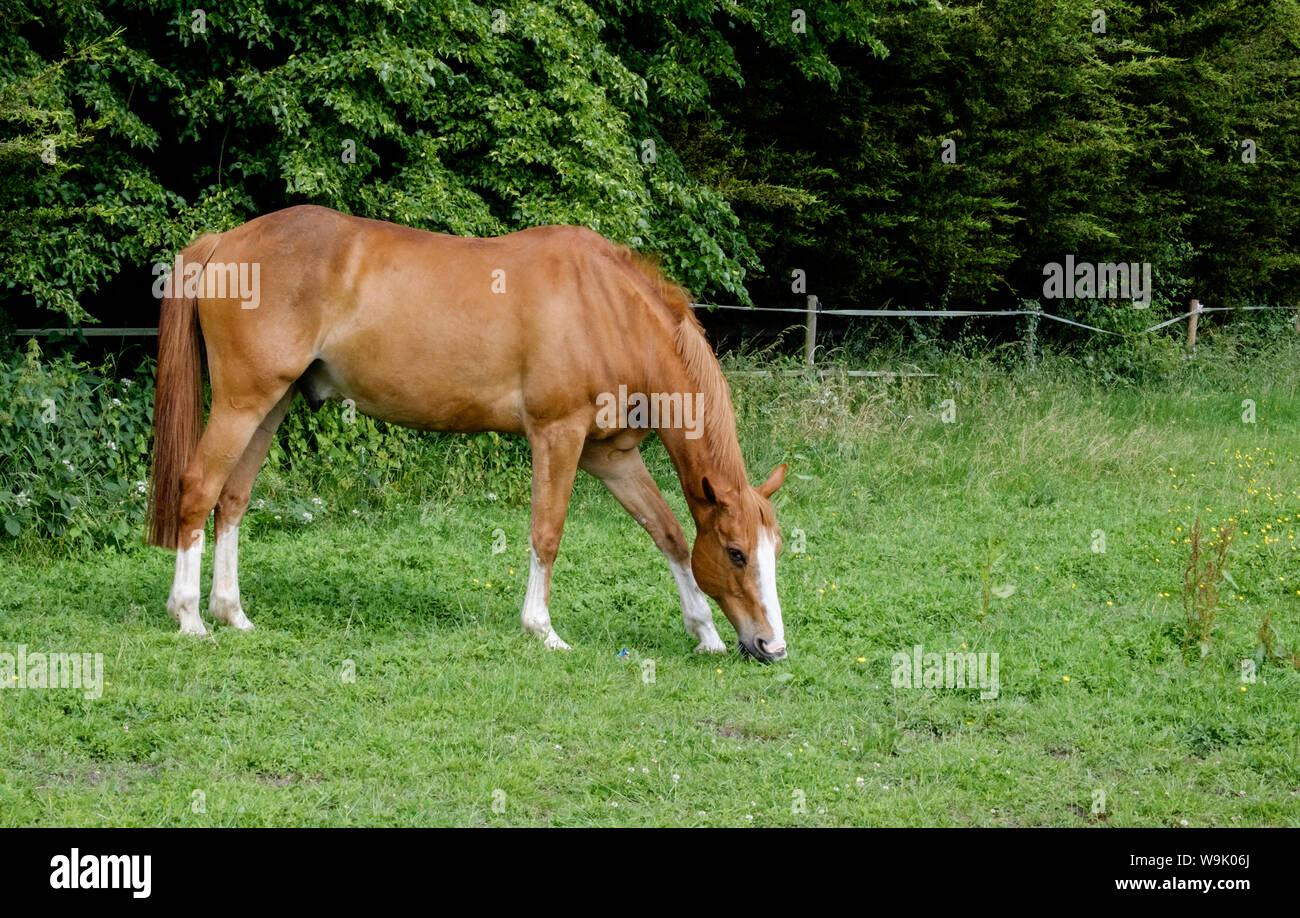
(978,535)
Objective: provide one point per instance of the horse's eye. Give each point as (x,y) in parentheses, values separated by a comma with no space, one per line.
(737,556)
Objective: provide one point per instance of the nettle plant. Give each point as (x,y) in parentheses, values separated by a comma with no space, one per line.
(74,457)
(336,459)
(74,448)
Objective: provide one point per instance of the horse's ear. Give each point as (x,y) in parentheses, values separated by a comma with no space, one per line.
(774,481)
(715,498)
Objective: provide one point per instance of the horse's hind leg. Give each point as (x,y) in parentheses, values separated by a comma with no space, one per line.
(621,469)
(231,427)
(224,604)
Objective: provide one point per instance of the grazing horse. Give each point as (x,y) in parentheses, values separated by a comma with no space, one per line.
(542,332)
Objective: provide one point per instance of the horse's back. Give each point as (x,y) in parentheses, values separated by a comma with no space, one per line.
(431,330)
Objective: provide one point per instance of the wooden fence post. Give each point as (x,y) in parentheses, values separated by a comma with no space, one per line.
(810,342)
(1031,335)
(1191,325)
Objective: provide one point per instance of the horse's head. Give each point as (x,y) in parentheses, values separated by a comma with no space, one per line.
(734,561)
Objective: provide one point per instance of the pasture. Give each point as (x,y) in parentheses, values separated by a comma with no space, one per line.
(388,681)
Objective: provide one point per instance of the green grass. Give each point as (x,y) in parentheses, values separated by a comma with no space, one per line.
(905,518)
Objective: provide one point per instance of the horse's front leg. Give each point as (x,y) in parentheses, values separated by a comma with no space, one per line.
(556,448)
(618,464)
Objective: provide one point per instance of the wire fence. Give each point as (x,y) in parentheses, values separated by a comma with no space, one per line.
(968,313)
(814,309)
(811,312)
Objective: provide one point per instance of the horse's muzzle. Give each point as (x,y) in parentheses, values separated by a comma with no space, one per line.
(761,651)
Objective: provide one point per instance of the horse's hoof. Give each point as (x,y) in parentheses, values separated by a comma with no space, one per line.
(553,642)
(232,613)
(711,645)
(186,611)
(193,626)
(239,621)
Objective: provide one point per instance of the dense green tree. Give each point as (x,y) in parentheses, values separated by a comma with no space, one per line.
(460,117)
(1115,138)
(739,140)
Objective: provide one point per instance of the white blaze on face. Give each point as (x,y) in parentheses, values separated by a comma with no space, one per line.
(766,558)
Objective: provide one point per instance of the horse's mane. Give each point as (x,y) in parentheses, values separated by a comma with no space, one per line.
(700,364)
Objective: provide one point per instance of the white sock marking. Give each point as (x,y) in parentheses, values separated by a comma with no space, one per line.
(224,603)
(183,602)
(695,610)
(536,616)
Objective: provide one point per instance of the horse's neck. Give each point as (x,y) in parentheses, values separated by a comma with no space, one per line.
(714,454)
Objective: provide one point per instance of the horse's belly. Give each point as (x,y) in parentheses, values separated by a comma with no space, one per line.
(450,397)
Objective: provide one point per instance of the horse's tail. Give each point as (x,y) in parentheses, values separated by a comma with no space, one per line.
(178,400)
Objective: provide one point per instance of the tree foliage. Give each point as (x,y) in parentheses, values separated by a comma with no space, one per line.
(740,140)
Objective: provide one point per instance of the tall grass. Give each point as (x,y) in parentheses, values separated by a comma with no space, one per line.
(959,512)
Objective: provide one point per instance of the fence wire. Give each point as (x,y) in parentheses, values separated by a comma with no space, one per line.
(99,331)
(966,313)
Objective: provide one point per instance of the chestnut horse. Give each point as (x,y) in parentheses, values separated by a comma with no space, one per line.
(531,333)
